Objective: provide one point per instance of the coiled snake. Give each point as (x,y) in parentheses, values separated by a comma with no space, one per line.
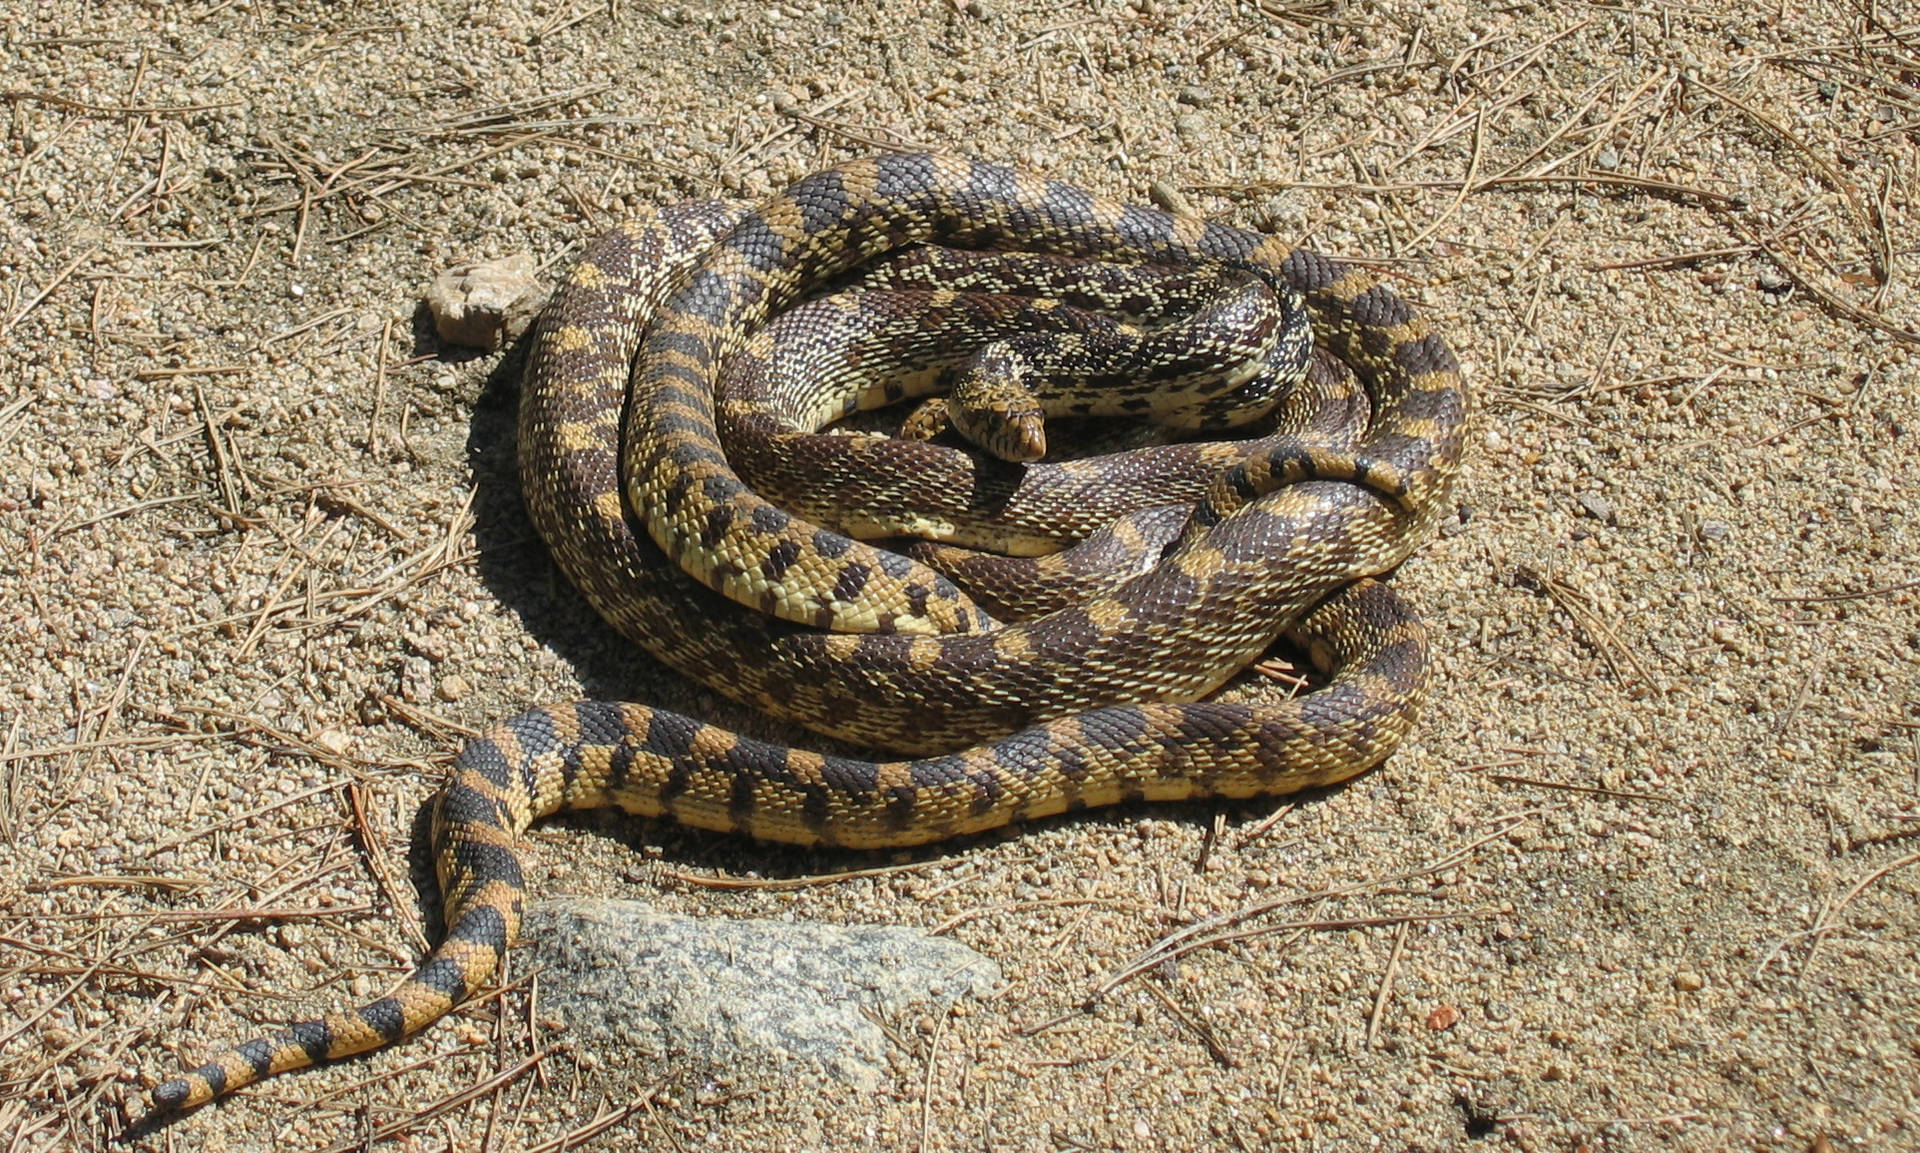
(1083,706)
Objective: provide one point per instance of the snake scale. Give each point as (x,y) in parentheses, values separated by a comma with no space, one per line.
(1088,705)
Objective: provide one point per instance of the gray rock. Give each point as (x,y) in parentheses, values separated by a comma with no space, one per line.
(740,992)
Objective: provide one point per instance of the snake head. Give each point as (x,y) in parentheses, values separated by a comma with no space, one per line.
(993,407)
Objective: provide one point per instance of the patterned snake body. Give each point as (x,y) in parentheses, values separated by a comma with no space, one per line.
(1190,349)
(1233,355)
(1081,707)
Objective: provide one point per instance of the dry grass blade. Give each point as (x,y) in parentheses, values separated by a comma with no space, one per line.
(1466,186)
(451,1102)
(1216,1048)
(1216,929)
(879,139)
(1590,790)
(128,742)
(1871,224)
(1315,924)
(1827,298)
(378,175)
(600,1124)
(1828,919)
(1677,259)
(1575,604)
(374,848)
(926,1080)
(257,913)
(498,117)
(1386,985)
(1830,915)
(1596,179)
(1832,175)
(58,101)
(58,278)
(192,370)
(227,481)
(122,880)
(256,732)
(1832,598)
(327,609)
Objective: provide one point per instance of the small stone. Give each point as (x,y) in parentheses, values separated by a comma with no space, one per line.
(1196,97)
(416,680)
(1607,159)
(1442,1018)
(1714,529)
(334,741)
(1555,1072)
(1189,125)
(485,305)
(1773,280)
(1688,981)
(1596,506)
(1168,197)
(451,687)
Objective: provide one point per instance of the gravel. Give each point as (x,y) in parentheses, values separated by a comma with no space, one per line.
(1643,877)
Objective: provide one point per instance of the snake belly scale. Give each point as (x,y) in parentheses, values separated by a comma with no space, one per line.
(1090,705)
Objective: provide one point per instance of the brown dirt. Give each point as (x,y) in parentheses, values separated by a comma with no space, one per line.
(1644,877)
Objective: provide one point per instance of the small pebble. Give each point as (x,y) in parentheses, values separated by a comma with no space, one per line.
(1167,196)
(1688,981)
(1596,506)
(333,741)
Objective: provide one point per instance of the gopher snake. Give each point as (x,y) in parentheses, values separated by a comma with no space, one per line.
(1280,545)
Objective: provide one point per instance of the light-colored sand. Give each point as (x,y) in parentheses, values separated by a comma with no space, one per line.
(1644,877)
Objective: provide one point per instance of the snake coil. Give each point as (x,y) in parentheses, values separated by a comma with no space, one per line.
(1092,704)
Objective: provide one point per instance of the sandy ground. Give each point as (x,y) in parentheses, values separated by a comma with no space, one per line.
(1643,877)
